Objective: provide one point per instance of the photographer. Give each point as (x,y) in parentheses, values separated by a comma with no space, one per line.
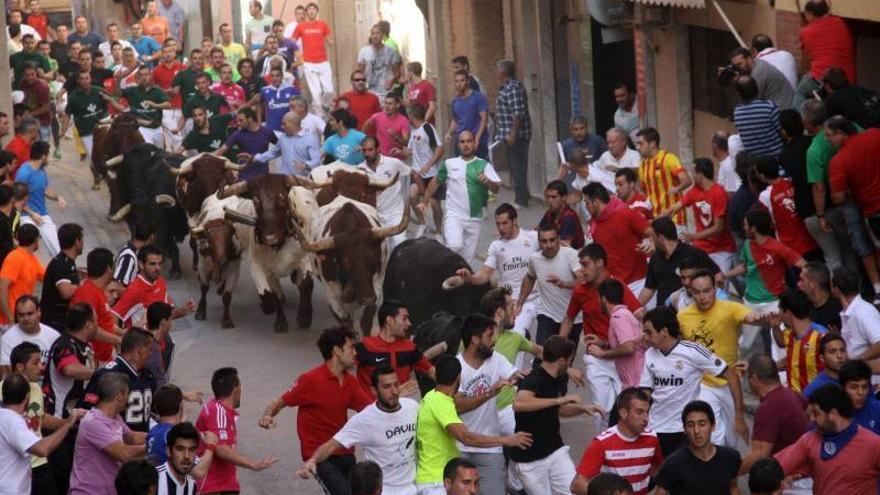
(772,84)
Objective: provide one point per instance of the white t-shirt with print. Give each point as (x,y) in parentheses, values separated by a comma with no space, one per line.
(15,461)
(510,258)
(388,439)
(554,300)
(484,419)
(15,335)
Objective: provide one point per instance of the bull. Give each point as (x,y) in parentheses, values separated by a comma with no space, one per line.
(349,254)
(197,179)
(339,179)
(110,141)
(279,207)
(147,197)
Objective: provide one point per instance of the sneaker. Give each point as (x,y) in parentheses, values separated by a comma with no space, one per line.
(57,153)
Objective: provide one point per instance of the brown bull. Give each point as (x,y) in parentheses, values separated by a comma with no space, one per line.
(353,184)
(110,142)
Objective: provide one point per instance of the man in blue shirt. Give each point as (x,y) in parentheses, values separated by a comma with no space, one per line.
(299,150)
(855,378)
(582,139)
(470,112)
(33,173)
(832,352)
(275,98)
(148,49)
(345,144)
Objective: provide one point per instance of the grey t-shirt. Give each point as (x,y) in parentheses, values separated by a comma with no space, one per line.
(379,67)
(772,85)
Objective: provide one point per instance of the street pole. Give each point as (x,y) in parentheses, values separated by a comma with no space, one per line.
(5,74)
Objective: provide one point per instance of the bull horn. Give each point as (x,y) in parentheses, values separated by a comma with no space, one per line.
(196,231)
(185,168)
(116,160)
(111,174)
(383,184)
(121,213)
(165,199)
(313,247)
(452,283)
(239,187)
(383,232)
(294,180)
(233,166)
(239,217)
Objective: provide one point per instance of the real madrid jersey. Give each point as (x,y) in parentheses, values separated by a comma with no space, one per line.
(675,379)
(510,258)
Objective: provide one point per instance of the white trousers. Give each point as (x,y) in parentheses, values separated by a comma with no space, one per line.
(462,236)
(603,383)
(170,118)
(48,233)
(524,322)
(722,404)
(153,136)
(430,489)
(636,287)
(750,332)
(88,143)
(550,475)
(319,77)
(724,260)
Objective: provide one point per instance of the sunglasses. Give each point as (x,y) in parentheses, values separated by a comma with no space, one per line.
(359,80)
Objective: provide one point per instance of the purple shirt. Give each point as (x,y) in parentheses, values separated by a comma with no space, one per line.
(252,143)
(384,126)
(93,470)
(466,112)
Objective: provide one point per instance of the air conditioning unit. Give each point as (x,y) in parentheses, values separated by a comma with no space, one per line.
(611,13)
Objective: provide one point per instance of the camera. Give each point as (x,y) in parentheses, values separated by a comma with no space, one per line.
(726,74)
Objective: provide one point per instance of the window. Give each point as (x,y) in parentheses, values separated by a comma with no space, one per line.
(709,51)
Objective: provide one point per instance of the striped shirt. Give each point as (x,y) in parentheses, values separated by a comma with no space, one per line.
(757,122)
(657,176)
(802,361)
(168,484)
(630,458)
(125,265)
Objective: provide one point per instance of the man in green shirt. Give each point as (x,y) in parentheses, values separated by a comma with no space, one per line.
(147,101)
(208,135)
(204,97)
(218,60)
(30,54)
(87,105)
(184,82)
(439,427)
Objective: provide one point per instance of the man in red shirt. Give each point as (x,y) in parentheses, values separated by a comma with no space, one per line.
(778,198)
(626,181)
(163,76)
(420,90)
(20,145)
(99,268)
(827,42)
(562,217)
(362,103)
(37,19)
(628,448)
(854,172)
(36,99)
(315,36)
(603,381)
(623,232)
(324,395)
(147,287)
(840,456)
(220,417)
(231,92)
(393,347)
(708,201)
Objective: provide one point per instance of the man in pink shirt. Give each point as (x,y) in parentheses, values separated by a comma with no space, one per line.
(624,335)
(390,127)
(840,456)
(231,92)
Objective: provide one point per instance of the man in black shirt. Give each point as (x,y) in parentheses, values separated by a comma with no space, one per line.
(61,278)
(701,467)
(6,206)
(815,282)
(849,100)
(663,278)
(60,48)
(538,405)
(98,73)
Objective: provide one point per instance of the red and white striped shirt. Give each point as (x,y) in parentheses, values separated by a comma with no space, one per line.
(631,458)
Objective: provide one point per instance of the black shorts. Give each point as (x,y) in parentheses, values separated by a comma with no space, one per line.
(440,193)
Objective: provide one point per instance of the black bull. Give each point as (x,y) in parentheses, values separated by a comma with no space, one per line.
(147,190)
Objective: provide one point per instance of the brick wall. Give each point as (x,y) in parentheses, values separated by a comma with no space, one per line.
(787,26)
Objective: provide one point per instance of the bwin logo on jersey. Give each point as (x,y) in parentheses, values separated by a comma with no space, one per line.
(668,381)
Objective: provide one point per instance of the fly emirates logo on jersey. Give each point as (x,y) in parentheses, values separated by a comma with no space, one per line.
(672,380)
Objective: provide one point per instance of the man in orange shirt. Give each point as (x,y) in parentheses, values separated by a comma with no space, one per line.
(154,25)
(315,36)
(661,175)
(20,272)
(20,145)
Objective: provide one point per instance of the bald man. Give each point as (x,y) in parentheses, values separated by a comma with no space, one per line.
(299,150)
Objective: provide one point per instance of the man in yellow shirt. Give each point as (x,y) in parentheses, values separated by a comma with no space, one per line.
(661,176)
(715,324)
(231,50)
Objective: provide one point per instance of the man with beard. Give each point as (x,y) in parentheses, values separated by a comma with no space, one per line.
(148,286)
(324,395)
(391,346)
(385,430)
(833,353)
(840,455)
(220,417)
(483,375)
(178,474)
(391,202)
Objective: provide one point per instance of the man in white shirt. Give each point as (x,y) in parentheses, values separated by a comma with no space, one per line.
(28,329)
(112,36)
(860,320)
(626,116)
(391,202)
(763,49)
(509,254)
(466,198)
(618,155)
(18,442)
(299,15)
(385,430)
(673,371)
(725,175)
(484,373)
(310,122)
(556,271)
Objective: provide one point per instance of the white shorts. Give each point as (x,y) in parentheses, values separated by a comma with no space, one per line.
(48,233)
(153,136)
(551,475)
(462,236)
(725,413)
